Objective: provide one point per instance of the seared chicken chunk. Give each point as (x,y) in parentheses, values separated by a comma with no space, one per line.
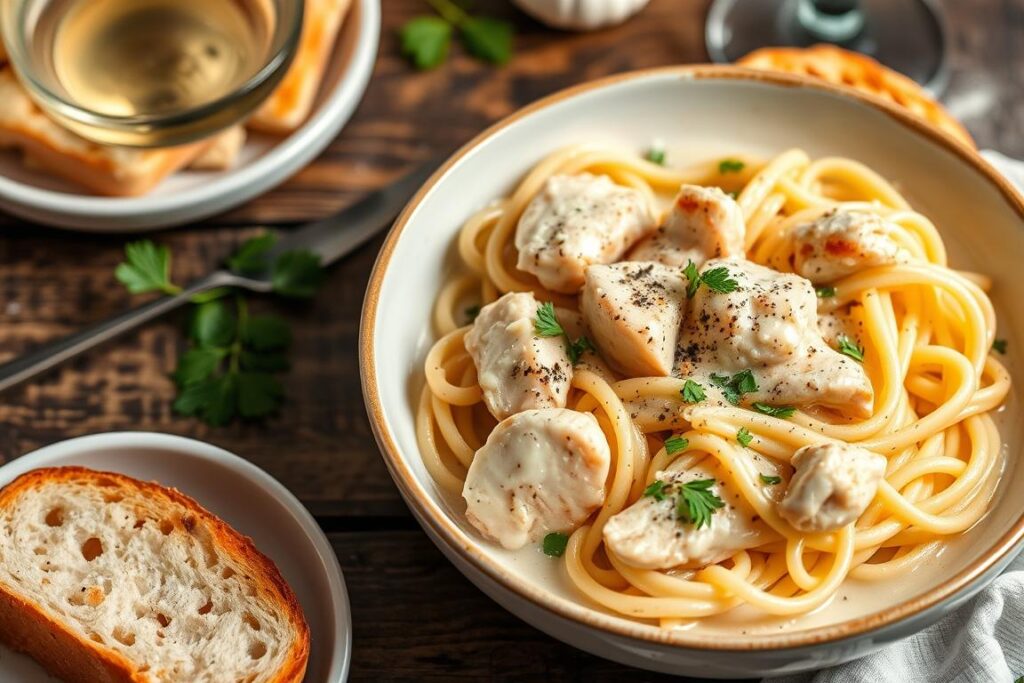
(649,534)
(768,325)
(540,471)
(841,243)
(832,486)
(516,368)
(633,311)
(577,220)
(704,223)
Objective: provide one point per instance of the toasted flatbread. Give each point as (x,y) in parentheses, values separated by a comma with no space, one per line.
(289,105)
(108,170)
(843,67)
(222,152)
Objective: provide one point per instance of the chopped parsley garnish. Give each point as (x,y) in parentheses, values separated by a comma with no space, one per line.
(656,155)
(692,392)
(825,292)
(697,502)
(577,348)
(716,279)
(769,480)
(999,345)
(655,490)
(733,387)
(744,436)
(546,323)
(781,412)
(850,348)
(555,543)
(676,444)
(730,166)
(472,312)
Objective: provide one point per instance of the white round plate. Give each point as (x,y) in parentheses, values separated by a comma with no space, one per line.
(241,494)
(265,161)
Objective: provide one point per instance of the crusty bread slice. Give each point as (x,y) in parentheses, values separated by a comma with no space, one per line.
(104,578)
(844,67)
(290,103)
(115,171)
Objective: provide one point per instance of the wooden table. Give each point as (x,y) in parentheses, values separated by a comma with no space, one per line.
(415,617)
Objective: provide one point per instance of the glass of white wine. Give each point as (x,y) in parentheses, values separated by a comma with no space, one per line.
(150,73)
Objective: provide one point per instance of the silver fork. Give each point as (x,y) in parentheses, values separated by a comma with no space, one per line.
(330,238)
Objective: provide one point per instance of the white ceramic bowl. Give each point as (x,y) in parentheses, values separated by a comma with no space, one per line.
(265,160)
(241,494)
(701,112)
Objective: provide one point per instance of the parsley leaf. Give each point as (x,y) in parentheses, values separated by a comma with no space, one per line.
(769,480)
(488,39)
(676,444)
(196,365)
(259,394)
(730,166)
(697,503)
(999,345)
(212,325)
(655,490)
(215,399)
(733,387)
(692,392)
(718,280)
(577,348)
(850,348)
(546,323)
(425,41)
(297,274)
(251,257)
(656,155)
(825,292)
(690,271)
(555,544)
(472,312)
(266,333)
(781,412)
(146,268)
(744,436)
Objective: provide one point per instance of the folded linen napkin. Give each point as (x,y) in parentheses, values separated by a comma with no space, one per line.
(982,641)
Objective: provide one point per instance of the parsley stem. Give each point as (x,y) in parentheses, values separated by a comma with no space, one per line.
(236,346)
(171,289)
(449,11)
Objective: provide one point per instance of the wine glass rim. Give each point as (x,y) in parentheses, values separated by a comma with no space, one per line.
(286,34)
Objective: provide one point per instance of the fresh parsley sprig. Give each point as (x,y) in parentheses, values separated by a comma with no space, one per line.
(744,437)
(781,412)
(695,502)
(656,154)
(228,370)
(692,392)
(825,292)
(730,166)
(850,348)
(770,480)
(676,444)
(546,324)
(426,40)
(555,543)
(716,279)
(734,386)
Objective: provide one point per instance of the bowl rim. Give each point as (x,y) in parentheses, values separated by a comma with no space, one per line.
(457,540)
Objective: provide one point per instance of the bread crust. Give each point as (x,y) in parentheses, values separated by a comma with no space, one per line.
(27,627)
(843,67)
(290,103)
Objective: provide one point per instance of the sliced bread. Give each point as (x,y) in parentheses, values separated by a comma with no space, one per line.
(105,578)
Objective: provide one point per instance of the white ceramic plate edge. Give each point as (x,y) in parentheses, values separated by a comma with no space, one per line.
(341,610)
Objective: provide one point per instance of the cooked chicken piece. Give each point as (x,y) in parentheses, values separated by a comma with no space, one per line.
(649,534)
(832,486)
(633,310)
(575,327)
(841,243)
(540,471)
(516,368)
(769,325)
(577,220)
(704,223)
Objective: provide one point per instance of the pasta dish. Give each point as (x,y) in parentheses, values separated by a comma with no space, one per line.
(738,383)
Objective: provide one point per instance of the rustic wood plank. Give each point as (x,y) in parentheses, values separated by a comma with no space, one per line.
(416,618)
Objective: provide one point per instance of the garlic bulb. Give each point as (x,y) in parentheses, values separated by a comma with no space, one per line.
(581,15)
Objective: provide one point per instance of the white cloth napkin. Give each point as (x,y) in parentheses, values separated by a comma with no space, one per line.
(982,641)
